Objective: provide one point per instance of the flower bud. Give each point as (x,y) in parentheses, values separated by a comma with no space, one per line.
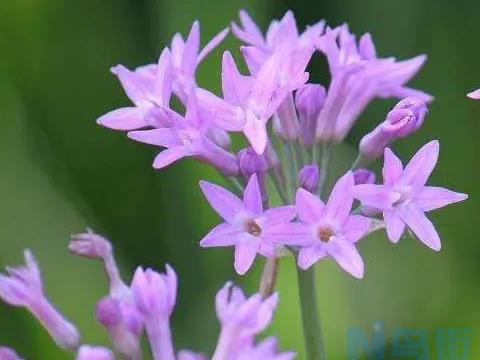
(249,162)
(285,121)
(404,119)
(363,176)
(308,178)
(309,100)
(87,352)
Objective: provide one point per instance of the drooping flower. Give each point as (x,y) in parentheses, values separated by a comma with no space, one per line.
(404,197)
(155,296)
(358,77)
(116,311)
(329,229)
(241,318)
(248,227)
(404,119)
(87,352)
(23,287)
(186,137)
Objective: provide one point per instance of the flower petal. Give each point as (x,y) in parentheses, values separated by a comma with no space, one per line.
(221,235)
(252,197)
(169,156)
(420,167)
(245,253)
(356,227)
(310,255)
(432,198)
(421,226)
(392,167)
(159,137)
(394,224)
(376,196)
(348,257)
(226,204)
(279,214)
(288,234)
(474,94)
(191,49)
(212,44)
(126,118)
(309,207)
(340,200)
(255,131)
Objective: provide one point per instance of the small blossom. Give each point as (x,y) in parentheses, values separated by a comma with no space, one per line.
(185,138)
(404,119)
(329,229)
(8,354)
(309,100)
(117,311)
(241,318)
(87,352)
(247,227)
(363,176)
(404,198)
(309,177)
(23,287)
(155,296)
(358,77)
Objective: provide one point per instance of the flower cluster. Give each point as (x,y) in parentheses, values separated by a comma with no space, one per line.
(283,157)
(143,306)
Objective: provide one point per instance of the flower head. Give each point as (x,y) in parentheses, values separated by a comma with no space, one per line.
(247,227)
(23,287)
(404,197)
(329,229)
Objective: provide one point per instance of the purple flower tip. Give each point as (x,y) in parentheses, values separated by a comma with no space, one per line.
(90,244)
(308,178)
(249,162)
(364,176)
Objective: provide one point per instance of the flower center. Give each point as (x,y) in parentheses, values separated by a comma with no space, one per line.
(325,234)
(253,228)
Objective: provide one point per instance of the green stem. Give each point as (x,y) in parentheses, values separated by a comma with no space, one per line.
(312,330)
(324,167)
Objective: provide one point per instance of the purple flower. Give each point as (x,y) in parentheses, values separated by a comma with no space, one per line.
(8,354)
(309,100)
(149,88)
(358,77)
(23,287)
(404,198)
(87,352)
(241,318)
(363,176)
(155,296)
(186,137)
(248,227)
(474,94)
(404,119)
(329,229)
(309,177)
(117,311)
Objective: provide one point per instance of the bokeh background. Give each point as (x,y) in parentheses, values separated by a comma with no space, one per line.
(60,172)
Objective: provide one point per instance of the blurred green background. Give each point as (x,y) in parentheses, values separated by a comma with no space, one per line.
(60,172)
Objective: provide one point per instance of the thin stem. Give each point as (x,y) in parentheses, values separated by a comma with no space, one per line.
(269,277)
(312,330)
(324,167)
(359,159)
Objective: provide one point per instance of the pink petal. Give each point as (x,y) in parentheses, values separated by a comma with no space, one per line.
(159,137)
(212,44)
(309,207)
(169,156)
(279,214)
(255,131)
(288,234)
(394,224)
(191,49)
(127,118)
(421,226)
(252,197)
(250,33)
(310,255)
(376,196)
(226,116)
(392,167)
(356,227)
(348,257)
(340,201)
(221,235)
(245,253)
(163,81)
(132,84)
(418,170)
(432,198)
(235,86)
(254,57)
(226,204)
(474,94)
